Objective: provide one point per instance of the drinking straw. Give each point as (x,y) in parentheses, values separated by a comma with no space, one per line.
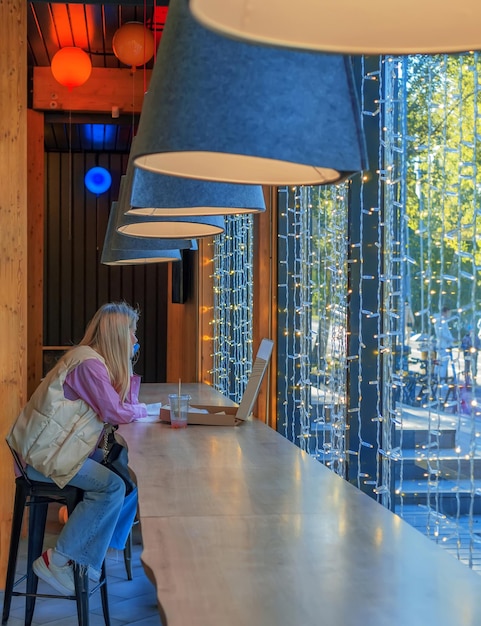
(179,399)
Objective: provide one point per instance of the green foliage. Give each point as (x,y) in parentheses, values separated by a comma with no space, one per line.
(442,187)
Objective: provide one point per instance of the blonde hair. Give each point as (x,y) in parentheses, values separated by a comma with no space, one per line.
(108,333)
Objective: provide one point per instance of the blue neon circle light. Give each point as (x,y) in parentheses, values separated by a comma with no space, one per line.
(98,180)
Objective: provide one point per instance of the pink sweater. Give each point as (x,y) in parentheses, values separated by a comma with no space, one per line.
(90,382)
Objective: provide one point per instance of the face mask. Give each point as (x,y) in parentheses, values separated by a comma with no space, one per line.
(135,350)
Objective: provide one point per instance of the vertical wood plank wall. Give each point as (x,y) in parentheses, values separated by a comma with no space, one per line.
(76,283)
(13,243)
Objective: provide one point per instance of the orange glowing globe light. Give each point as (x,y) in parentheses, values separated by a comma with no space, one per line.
(133,44)
(71,67)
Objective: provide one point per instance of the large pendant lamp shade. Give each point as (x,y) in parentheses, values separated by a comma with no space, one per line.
(156,194)
(122,250)
(223,110)
(165,227)
(350,26)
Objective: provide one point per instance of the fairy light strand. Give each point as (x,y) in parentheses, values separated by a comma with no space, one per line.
(233,300)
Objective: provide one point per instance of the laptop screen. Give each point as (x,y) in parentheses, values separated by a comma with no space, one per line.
(255,379)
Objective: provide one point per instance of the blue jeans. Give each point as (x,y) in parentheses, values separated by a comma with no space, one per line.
(86,536)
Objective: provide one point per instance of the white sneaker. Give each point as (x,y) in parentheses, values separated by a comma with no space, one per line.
(60,578)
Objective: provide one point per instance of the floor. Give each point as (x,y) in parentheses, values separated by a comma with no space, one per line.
(131,603)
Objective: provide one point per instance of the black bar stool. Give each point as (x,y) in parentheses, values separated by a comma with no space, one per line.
(128,556)
(37,496)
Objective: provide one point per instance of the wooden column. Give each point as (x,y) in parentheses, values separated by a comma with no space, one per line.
(265,300)
(182,335)
(189,337)
(36,217)
(205,309)
(190,342)
(13,244)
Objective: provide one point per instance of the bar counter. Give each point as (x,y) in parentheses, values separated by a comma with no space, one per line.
(240,527)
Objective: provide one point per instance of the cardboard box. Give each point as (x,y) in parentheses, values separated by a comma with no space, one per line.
(231,415)
(210,415)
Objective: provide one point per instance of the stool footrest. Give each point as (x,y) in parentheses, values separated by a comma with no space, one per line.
(24,594)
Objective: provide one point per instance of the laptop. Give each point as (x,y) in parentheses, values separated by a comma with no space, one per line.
(210,415)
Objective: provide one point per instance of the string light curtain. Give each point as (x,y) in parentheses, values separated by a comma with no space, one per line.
(422,428)
(312,296)
(432,145)
(233,304)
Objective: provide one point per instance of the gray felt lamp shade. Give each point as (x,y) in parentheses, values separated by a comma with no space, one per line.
(163,227)
(157,194)
(119,249)
(229,111)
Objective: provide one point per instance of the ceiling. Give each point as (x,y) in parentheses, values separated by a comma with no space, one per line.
(54,25)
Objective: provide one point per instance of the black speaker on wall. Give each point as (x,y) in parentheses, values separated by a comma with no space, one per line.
(182,277)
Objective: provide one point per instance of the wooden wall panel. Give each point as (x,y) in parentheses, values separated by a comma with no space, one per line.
(183,338)
(13,245)
(36,205)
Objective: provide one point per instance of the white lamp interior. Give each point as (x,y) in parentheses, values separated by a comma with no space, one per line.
(350,26)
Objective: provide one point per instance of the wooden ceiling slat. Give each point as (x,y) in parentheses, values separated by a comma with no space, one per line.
(61,33)
(79,26)
(39,34)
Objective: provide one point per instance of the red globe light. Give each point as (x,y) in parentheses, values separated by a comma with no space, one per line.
(71,67)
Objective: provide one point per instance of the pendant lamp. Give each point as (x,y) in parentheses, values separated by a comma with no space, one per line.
(165,227)
(229,111)
(71,67)
(121,250)
(348,27)
(156,194)
(133,44)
